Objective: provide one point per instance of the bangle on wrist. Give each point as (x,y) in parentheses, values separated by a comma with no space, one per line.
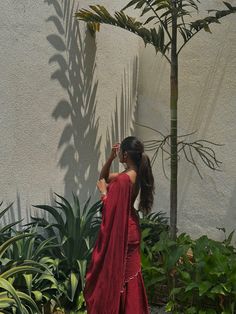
(104,193)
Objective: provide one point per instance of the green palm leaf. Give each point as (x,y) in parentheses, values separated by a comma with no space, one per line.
(98,14)
(187,31)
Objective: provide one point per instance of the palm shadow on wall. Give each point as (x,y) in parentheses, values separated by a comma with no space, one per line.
(125,113)
(75,59)
(14,213)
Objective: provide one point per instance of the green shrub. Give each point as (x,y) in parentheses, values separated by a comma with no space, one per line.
(24,278)
(199,275)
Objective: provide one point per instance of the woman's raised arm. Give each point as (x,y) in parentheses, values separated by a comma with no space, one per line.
(104,174)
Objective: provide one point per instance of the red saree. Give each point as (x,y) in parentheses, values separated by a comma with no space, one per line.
(114,282)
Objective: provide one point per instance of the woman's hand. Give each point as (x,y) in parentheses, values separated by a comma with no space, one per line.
(114,151)
(102,186)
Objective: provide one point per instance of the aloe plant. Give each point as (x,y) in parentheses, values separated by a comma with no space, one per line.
(164,26)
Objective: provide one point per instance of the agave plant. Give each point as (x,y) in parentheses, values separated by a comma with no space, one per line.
(74,230)
(167,26)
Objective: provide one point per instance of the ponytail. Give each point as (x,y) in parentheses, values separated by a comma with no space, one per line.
(135,149)
(146,181)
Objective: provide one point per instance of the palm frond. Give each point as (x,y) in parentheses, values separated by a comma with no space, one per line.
(99,15)
(191,29)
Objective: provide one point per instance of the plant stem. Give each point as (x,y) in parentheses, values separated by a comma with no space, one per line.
(173,107)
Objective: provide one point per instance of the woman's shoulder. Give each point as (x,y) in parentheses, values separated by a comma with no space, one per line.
(132,175)
(120,176)
(112,176)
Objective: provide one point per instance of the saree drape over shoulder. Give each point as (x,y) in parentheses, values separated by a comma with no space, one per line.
(114,282)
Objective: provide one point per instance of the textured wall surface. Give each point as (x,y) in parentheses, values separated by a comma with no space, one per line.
(207,93)
(66,97)
(61,97)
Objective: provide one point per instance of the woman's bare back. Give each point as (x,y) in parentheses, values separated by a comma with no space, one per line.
(133,178)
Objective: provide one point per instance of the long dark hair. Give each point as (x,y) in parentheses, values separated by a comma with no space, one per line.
(135,149)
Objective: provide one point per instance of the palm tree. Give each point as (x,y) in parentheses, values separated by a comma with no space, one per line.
(168,22)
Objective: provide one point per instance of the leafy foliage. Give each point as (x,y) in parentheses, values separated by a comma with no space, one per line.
(155,12)
(204,271)
(99,15)
(153,225)
(34,269)
(10,298)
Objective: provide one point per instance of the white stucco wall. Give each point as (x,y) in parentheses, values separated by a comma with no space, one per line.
(207,93)
(61,98)
(66,97)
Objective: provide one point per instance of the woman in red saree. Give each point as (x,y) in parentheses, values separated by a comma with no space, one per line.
(114,282)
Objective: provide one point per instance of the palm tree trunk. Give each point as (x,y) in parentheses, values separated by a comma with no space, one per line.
(173,107)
